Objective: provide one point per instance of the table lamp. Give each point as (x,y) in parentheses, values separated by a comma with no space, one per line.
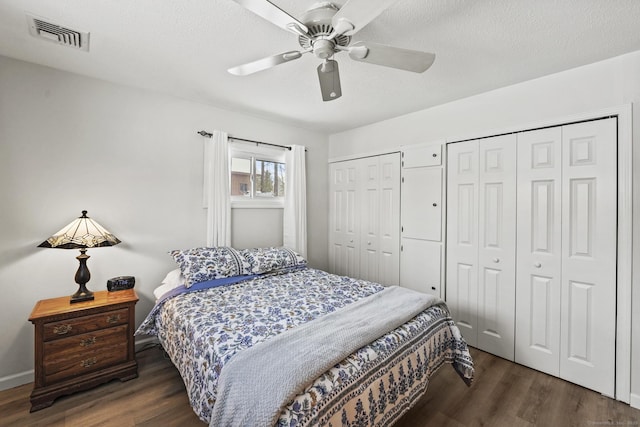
(81,234)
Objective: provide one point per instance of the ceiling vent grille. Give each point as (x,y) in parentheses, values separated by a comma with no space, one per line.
(40,28)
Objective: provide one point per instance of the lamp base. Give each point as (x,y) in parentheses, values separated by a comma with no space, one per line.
(82,277)
(80,296)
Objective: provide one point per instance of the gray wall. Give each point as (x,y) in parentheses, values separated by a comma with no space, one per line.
(132,158)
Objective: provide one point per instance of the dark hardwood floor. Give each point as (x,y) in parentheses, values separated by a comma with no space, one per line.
(503,394)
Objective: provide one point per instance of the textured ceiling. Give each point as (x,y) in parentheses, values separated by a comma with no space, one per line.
(184,48)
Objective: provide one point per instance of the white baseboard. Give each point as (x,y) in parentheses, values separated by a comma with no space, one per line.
(634,400)
(11,381)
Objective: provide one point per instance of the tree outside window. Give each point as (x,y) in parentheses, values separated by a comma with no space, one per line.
(256,178)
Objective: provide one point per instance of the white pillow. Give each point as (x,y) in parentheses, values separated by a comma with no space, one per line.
(171,281)
(161,290)
(174,278)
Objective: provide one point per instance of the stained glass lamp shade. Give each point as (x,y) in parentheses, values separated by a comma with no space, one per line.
(81,234)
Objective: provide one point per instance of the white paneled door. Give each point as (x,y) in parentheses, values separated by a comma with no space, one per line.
(497,245)
(481,241)
(344,224)
(389,220)
(380,219)
(364,218)
(539,256)
(589,200)
(462,237)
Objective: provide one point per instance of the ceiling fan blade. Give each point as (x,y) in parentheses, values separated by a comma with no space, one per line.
(355,14)
(264,63)
(389,56)
(275,15)
(329,77)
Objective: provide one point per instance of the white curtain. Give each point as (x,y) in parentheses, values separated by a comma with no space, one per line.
(295,205)
(217,189)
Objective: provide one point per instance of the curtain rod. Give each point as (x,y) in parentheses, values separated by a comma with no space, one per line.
(209,135)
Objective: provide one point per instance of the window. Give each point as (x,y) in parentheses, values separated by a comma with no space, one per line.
(257,177)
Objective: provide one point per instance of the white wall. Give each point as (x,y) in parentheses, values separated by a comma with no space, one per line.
(132,158)
(598,86)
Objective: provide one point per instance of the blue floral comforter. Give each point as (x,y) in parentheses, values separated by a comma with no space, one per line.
(202,330)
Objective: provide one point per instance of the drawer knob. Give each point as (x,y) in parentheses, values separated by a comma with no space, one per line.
(114,318)
(87,342)
(435,204)
(89,362)
(496,260)
(62,329)
(435,155)
(537,265)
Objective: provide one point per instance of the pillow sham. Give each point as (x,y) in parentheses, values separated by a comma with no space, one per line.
(264,260)
(202,264)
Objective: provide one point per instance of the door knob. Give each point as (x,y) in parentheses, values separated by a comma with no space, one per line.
(435,204)
(496,260)
(368,243)
(537,265)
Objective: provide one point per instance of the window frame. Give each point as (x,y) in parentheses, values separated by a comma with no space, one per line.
(257,152)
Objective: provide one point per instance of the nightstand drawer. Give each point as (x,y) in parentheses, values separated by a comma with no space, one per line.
(70,327)
(84,353)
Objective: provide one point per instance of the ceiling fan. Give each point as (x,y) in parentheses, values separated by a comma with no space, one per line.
(326,29)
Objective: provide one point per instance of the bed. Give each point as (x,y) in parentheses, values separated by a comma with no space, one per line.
(224,306)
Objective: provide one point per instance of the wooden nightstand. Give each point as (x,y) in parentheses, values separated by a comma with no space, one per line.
(82,345)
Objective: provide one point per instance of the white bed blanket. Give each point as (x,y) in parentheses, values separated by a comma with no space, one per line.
(277,369)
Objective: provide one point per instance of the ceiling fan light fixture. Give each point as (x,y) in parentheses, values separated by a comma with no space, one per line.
(323,48)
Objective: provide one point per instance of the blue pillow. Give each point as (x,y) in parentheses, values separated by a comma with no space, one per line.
(202,264)
(264,260)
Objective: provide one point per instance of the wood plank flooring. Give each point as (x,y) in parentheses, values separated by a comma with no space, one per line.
(503,394)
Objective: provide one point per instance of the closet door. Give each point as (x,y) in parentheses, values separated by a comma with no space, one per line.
(497,245)
(344,232)
(389,220)
(539,238)
(370,219)
(380,219)
(462,237)
(421,203)
(588,324)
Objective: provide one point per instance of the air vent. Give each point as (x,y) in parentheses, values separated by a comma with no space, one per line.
(42,29)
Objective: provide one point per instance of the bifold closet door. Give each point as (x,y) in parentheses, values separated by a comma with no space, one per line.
(481,241)
(380,219)
(344,234)
(566,268)
(497,245)
(539,256)
(364,218)
(589,240)
(462,237)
